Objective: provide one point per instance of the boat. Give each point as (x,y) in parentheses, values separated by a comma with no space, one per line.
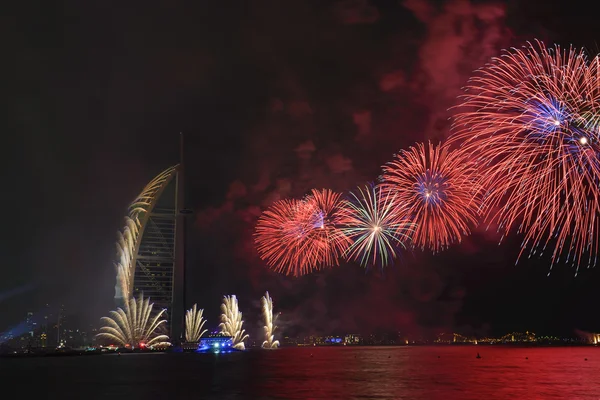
(216,343)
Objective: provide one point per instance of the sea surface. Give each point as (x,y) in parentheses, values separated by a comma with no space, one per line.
(444,372)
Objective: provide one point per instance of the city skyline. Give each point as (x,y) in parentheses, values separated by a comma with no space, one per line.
(55,329)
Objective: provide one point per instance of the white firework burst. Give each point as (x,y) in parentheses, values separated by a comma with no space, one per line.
(231,322)
(126,241)
(133,326)
(193,324)
(267,310)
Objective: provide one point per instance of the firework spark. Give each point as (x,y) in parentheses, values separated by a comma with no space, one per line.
(296,237)
(231,322)
(324,212)
(280,238)
(125,251)
(133,327)
(436,189)
(193,324)
(530,121)
(145,199)
(267,311)
(373,224)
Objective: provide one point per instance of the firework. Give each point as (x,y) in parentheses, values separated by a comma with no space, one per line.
(324,213)
(280,238)
(133,327)
(267,310)
(231,322)
(125,251)
(193,324)
(529,119)
(144,200)
(374,225)
(436,189)
(297,237)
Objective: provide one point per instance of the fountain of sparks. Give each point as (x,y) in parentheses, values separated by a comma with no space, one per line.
(231,322)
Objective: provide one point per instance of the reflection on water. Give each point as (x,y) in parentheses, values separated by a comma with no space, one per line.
(320,373)
(417,372)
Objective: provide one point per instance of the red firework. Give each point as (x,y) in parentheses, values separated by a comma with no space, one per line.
(297,237)
(280,238)
(530,120)
(325,211)
(436,190)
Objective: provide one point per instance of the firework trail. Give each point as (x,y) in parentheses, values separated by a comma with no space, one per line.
(530,120)
(125,252)
(297,237)
(375,227)
(193,324)
(267,310)
(143,202)
(134,326)
(231,322)
(435,189)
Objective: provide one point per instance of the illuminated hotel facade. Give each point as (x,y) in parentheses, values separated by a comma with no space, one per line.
(152,257)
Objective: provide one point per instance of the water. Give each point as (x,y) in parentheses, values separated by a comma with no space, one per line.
(315,373)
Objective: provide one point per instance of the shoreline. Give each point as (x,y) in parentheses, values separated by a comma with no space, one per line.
(84,353)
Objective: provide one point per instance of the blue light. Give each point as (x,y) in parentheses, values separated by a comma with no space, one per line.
(319,220)
(215,345)
(432,187)
(545,117)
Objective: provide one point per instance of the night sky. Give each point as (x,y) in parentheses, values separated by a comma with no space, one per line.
(274,98)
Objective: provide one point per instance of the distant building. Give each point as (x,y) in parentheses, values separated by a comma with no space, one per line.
(518,337)
(288,341)
(31,325)
(309,340)
(332,340)
(60,327)
(454,338)
(352,339)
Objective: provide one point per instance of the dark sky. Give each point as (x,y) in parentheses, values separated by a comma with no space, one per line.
(275,98)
